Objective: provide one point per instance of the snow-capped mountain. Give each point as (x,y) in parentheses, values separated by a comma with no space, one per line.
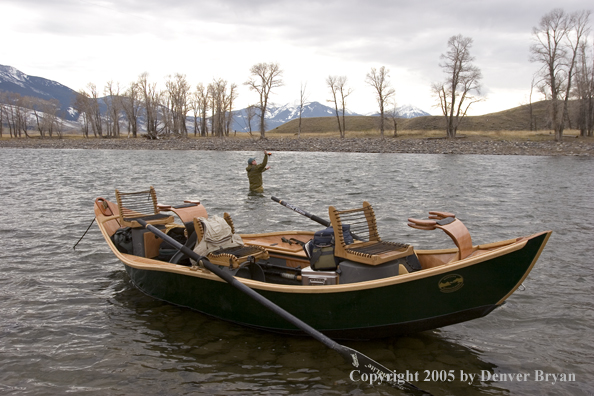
(13,80)
(277,115)
(407,111)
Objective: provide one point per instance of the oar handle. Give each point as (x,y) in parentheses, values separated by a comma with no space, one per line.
(315,218)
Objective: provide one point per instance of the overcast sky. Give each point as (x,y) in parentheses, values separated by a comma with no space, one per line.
(81,42)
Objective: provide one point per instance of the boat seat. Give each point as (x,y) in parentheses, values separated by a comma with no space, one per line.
(140,205)
(231,256)
(369,248)
(453,227)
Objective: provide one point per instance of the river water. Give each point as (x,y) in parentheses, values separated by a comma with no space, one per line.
(72,322)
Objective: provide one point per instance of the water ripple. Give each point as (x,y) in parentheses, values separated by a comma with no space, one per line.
(73,322)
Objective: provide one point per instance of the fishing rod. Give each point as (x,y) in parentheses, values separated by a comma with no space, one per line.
(253,138)
(315,218)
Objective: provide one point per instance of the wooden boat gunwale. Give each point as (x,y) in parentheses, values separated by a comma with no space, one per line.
(156,265)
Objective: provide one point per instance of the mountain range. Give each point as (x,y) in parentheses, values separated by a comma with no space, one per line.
(13,80)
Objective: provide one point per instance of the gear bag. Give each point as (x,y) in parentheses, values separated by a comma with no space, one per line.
(122,239)
(320,250)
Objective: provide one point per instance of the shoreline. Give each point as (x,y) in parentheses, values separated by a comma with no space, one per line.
(569,146)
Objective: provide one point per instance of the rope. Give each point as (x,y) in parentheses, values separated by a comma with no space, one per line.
(88,228)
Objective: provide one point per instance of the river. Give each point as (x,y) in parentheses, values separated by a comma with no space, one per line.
(72,322)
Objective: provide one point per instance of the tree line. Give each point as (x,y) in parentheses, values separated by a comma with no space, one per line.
(566,68)
(560,47)
(22,114)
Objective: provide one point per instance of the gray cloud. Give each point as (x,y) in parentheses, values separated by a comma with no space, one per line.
(401,35)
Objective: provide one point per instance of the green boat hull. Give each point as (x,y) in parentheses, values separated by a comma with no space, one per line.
(369,310)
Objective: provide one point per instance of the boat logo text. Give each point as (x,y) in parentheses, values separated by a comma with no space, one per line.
(450,283)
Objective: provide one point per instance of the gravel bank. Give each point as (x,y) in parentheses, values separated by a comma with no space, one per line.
(570,146)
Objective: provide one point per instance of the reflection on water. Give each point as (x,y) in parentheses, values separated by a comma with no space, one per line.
(73,322)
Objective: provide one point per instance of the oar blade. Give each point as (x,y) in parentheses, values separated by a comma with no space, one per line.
(375,373)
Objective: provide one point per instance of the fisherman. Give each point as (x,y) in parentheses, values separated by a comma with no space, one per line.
(254,172)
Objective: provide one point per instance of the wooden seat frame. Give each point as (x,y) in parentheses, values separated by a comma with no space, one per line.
(140,205)
(362,222)
(453,227)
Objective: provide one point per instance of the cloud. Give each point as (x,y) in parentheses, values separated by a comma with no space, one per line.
(117,40)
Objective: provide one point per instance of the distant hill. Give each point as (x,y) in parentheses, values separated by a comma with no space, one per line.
(515,119)
(13,80)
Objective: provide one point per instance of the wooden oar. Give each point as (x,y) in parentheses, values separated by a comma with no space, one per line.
(375,372)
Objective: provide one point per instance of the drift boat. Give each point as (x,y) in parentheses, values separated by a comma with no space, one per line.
(369,289)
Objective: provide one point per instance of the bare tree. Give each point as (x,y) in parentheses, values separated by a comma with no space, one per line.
(379,80)
(392,114)
(557,41)
(340,92)
(51,122)
(455,94)
(81,105)
(16,114)
(202,99)
(35,105)
(152,103)
(218,90)
(264,78)
(88,103)
(114,108)
(195,106)
(532,119)
(230,100)
(178,93)
(332,83)
(130,102)
(250,113)
(302,102)
(584,90)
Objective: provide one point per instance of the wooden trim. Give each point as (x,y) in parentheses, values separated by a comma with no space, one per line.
(229,221)
(199,230)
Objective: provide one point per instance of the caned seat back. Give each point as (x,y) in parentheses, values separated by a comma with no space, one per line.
(140,205)
(368,247)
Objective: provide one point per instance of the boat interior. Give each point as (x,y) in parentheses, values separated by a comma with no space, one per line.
(357,252)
